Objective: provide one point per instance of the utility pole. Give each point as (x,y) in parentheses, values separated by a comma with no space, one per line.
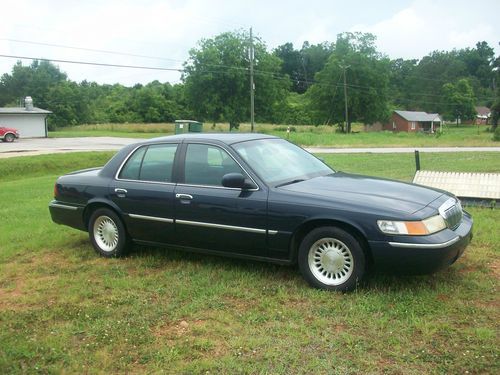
(347,127)
(252,85)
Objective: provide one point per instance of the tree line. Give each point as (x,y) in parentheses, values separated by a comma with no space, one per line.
(292,85)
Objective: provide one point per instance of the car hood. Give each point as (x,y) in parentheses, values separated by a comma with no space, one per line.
(368,191)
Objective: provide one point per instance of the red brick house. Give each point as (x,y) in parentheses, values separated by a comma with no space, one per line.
(409,121)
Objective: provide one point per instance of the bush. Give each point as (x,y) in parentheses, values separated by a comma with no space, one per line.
(496,135)
(285,128)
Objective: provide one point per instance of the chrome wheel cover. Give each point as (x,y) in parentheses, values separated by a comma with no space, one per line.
(105,233)
(330,261)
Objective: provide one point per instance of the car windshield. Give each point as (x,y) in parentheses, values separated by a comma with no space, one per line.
(279,162)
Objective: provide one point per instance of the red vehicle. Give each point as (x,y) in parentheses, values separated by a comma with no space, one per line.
(8,134)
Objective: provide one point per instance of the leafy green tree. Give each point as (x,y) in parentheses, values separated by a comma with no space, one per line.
(401,82)
(367,79)
(460,100)
(292,65)
(217,79)
(478,62)
(34,80)
(302,65)
(431,73)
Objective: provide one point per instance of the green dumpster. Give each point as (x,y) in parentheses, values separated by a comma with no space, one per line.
(188,126)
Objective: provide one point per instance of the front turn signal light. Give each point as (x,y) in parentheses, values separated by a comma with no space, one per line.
(430,225)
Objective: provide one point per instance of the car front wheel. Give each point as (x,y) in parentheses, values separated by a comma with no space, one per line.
(9,137)
(331,258)
(107,233)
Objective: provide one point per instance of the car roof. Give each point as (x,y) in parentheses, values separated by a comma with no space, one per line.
(227,138)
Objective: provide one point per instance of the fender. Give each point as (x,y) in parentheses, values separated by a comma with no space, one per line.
(101,202)
(317,221)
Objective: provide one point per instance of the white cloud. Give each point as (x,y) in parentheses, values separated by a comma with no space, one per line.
(425,26)
(168,29)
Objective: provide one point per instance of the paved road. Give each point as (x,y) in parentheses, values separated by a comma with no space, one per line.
(37,146)
(389,150)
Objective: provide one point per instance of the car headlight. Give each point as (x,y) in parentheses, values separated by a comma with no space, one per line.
(430,225)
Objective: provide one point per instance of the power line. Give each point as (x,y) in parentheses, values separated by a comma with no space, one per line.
(270,74)
(308,82)
(118,53)
(89,49)
(93,63)
(256,71)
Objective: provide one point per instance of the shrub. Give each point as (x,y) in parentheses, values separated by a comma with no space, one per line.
(496,134)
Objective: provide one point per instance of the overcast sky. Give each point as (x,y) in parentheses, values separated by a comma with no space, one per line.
(168,29)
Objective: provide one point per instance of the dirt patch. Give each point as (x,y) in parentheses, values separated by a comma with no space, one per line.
(186,332)
(442,297)
(9,297)
(494,266)
(177,329)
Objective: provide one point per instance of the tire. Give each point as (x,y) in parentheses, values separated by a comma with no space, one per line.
(332,259)
(9,137)
(107,233)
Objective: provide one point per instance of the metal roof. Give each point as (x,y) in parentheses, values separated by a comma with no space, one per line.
(483,112)
(23,111)
(419,116)
(467,185)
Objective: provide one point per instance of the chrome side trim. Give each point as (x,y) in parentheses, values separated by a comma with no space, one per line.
(152,218)
(217,187)
(424,245)
(64,206)
(221,226)
(272,232)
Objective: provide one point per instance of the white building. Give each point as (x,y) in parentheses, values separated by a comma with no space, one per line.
(31,122)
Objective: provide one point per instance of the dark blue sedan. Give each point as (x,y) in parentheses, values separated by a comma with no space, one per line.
(260,197)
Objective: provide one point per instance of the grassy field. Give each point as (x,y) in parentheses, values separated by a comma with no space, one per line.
(63,309)
(466,135)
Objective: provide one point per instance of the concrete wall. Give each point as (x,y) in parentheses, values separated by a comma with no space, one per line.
(30,125)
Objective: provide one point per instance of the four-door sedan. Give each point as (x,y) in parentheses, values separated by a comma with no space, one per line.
(260,197)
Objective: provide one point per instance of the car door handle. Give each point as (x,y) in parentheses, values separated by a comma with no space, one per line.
(184,196)
(121,193)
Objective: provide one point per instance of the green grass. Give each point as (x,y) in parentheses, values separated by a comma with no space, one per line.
(306,135)
(402,166)
(65,309)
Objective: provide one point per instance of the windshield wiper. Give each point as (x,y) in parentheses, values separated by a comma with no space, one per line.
(290,182)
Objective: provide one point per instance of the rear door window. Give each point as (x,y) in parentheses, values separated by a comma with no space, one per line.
(151,163)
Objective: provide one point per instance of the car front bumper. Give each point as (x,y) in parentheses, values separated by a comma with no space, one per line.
(422,254)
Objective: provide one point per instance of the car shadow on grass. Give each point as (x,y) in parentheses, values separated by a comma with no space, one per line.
(161,258)
(374,281)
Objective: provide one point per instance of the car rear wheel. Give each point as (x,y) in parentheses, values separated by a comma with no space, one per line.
(107,233)
(9,137)
(331,258)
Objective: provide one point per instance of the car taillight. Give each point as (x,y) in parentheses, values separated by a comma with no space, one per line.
(55,191)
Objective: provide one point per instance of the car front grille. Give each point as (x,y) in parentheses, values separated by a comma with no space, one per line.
(451,211)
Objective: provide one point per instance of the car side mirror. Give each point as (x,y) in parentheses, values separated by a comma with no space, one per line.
(237,181)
